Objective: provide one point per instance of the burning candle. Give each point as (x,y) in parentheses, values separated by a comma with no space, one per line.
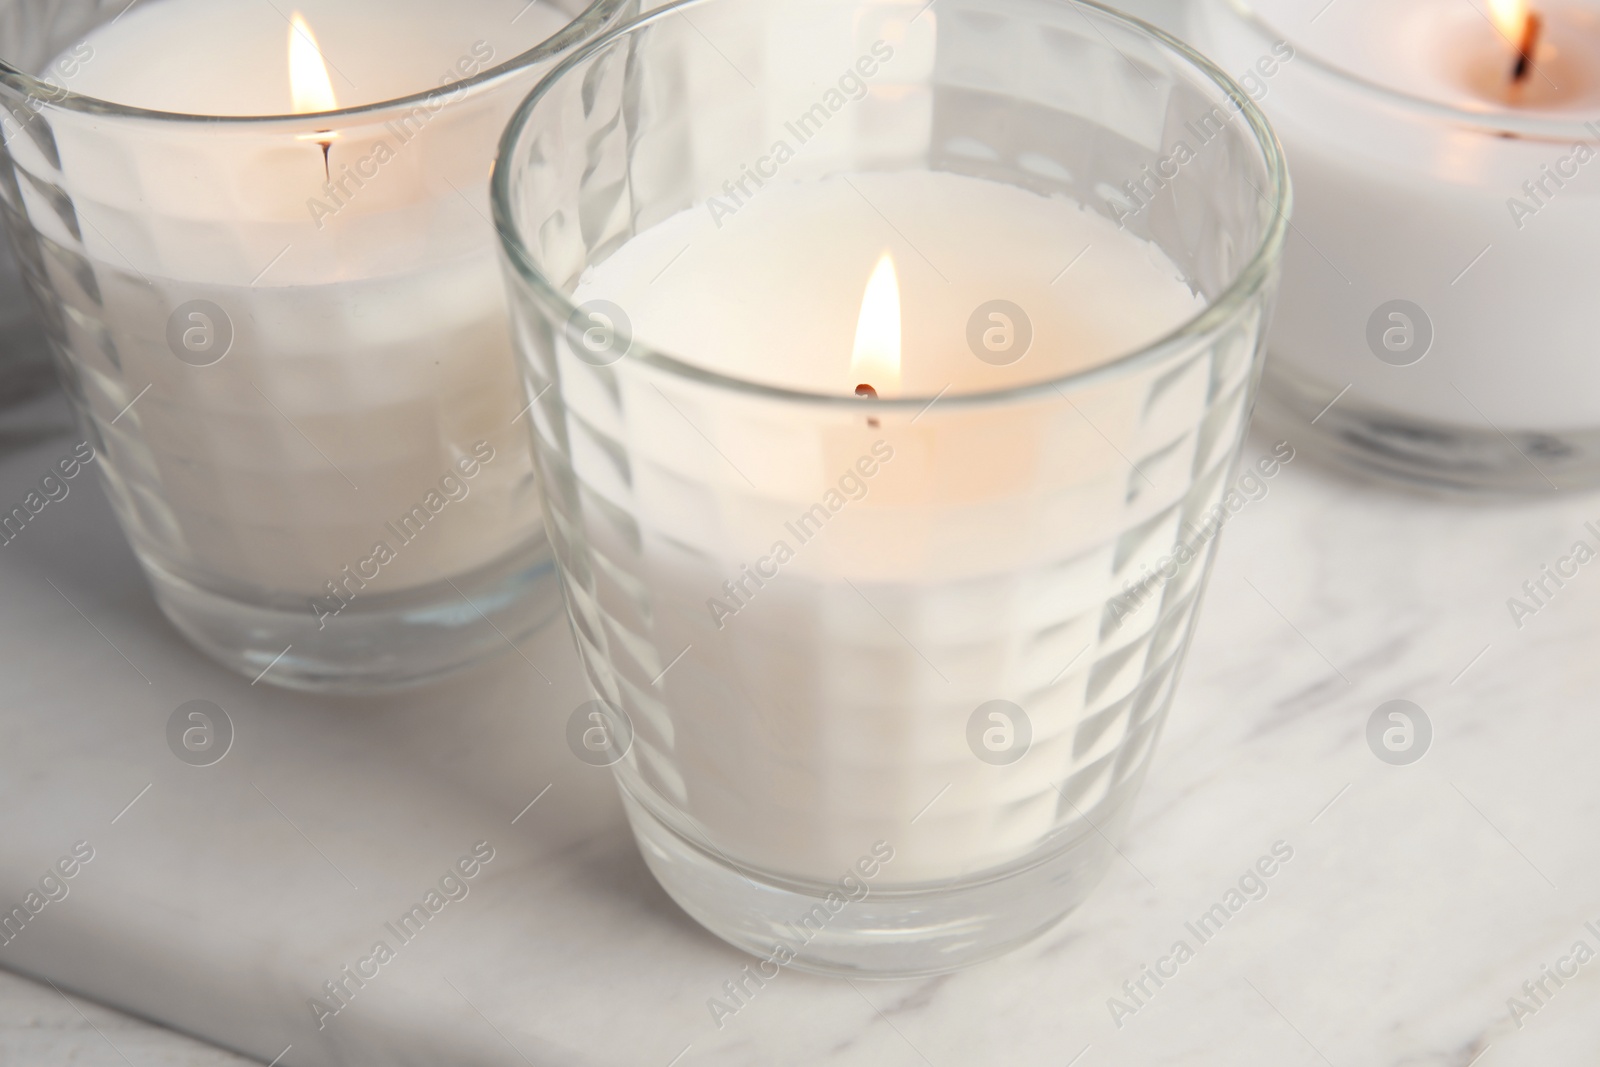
(875,358)
(1435,323)
(1516,23)
(1483,55)
(882,325)
(850,467)
(879,325)
(284,321)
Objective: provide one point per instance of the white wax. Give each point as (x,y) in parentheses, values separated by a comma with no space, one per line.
(768,298)
(227,57)
(371,354)
(1394,203)
(806,726)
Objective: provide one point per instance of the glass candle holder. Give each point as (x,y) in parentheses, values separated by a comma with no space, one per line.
(285,333)
(1436,323)
(884,464)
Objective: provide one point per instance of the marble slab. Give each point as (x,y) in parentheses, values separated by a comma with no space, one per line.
(1417,900)
(40,1025)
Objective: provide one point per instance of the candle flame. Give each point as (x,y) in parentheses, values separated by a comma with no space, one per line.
(309,85)
(1510,18)
(876,358)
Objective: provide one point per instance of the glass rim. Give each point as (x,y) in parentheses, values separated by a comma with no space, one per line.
(578,28)
(1540,125)
(1248,282)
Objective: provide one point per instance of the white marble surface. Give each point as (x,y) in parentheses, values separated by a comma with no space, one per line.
(1414,906)
(41,1025)
(1418,899)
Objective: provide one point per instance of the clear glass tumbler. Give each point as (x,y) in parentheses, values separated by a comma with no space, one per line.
(286,336)
(907,739)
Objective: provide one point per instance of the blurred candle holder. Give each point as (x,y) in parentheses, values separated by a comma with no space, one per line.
(869,436)
(269,282)
(1437,320)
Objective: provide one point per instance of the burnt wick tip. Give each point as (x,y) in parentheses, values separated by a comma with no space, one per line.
(1526,49)
(867,391)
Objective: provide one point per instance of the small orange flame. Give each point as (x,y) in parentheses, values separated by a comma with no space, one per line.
(875,360)
(309,85)
(1510,18)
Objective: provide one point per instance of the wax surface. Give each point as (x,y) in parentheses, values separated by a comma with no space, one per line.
(773,294)
(230,57)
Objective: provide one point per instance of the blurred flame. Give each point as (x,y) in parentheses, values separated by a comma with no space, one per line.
(309,85)
(1510,18)
(876,358)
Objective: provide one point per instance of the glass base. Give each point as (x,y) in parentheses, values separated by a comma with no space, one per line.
(892,932)
(1444,457)
(375,644)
